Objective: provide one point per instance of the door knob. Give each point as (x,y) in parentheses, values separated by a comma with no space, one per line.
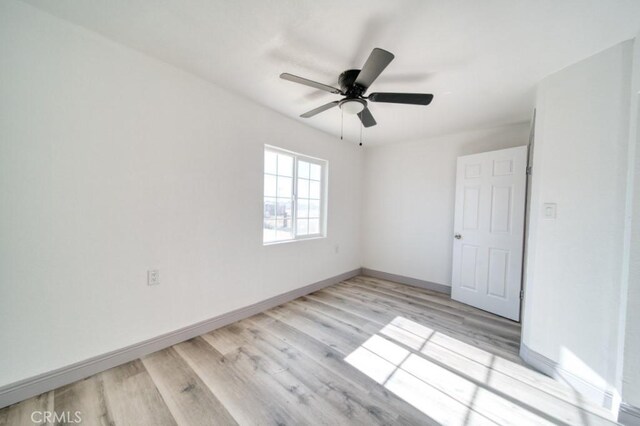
(457,237)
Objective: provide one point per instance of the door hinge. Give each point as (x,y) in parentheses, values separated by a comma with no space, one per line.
(529,170)
(521,294)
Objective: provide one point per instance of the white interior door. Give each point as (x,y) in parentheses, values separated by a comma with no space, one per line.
(489,230)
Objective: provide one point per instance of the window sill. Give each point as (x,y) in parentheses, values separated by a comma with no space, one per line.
(273,243)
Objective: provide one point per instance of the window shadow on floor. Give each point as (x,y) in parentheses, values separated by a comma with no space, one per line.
(454,382)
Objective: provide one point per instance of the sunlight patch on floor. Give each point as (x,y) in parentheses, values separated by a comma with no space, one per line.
(455,383)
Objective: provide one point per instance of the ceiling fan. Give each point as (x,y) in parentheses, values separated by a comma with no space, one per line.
(354,84)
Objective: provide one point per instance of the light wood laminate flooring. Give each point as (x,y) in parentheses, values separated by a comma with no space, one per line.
(362,352)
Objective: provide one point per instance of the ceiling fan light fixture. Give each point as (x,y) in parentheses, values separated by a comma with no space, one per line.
(352,106)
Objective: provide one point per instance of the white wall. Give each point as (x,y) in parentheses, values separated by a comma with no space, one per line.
(574,262)
(113,163)
(631,318)
(409,196)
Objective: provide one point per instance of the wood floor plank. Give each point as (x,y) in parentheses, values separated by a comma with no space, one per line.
(301,399)
(448,317)
(443,407)
(132,398)
(451,318)
(363,352)
(324,328)
(499,382)
(354,407)
(20,414)
(444,301)
(431,296)
(334,361)
(496,344)
(469,315)
(190,401)
(86,397)
(374,309)
(501,405)
(382,321)
(401,328)
(249,400)
(336,313)
(391,284)
(444,314)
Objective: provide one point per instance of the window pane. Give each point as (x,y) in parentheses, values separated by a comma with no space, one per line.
(284,229)
(303,208)
(285,165)
(302,226)
(284,187)
(303,188)
(303,169)
(314,190)
(284,208)
(284,225)
(269,186)
(270,162)
(269,231)
(314,226)
(315,172)
(269,208)
(314,208)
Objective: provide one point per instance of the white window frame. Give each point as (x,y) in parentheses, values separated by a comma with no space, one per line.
(324,173)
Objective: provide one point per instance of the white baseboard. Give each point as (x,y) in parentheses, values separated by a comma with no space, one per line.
(629,415)
(24,389)
(602,396)
(428,285)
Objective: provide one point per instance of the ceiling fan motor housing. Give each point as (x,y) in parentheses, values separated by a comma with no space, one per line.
(347,84)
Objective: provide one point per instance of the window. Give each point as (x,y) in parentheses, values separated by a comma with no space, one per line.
(294,196)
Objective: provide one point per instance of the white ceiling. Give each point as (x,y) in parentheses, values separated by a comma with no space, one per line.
(481,59)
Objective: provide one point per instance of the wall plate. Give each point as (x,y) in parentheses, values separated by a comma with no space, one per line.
(153,277)
(549,210)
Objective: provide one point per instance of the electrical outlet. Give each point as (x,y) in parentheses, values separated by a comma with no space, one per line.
(153,277)
(550,210)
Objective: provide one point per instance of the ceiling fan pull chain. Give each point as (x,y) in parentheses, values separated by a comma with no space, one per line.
(361,125)
(341,124)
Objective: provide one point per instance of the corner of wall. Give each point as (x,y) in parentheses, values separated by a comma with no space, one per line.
(628,369)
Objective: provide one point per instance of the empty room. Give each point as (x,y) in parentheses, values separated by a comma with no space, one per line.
(294,212)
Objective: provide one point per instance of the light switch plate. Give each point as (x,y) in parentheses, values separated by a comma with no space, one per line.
(153,277)
(549,210)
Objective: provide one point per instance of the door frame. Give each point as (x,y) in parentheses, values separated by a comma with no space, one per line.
(527,217)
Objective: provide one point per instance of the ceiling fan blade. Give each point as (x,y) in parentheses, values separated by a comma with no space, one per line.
(366,118)
(402,98)
(376,63)
(319,109)
(307,82)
